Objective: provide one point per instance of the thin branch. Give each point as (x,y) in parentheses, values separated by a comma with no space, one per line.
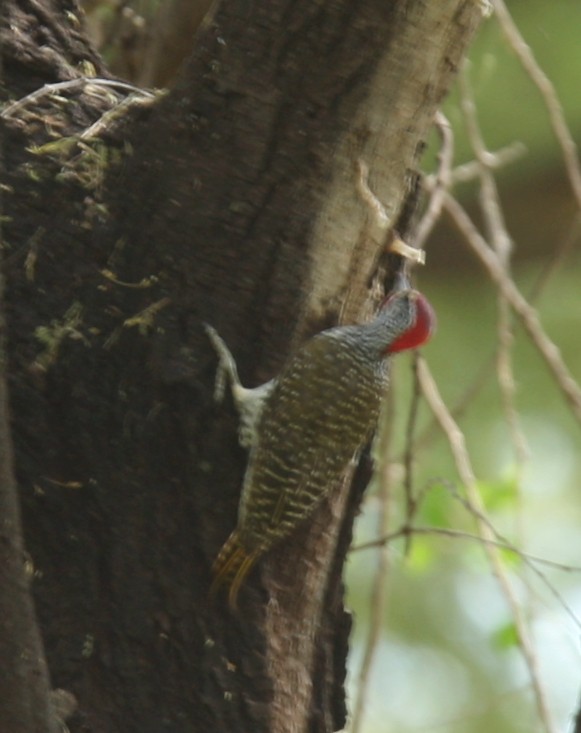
(60,86)
(464,466)
(548,93)
(461,534)
(486,369)
(381,220)
(502,245)
(411,501)
(529,560)
(440,182)
(379,589)
(519,304)
(566,245)
(499,159)
(482,516)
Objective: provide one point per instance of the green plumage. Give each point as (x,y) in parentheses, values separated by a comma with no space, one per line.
(323,407)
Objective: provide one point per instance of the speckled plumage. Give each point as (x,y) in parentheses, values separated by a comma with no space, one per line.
(308,424)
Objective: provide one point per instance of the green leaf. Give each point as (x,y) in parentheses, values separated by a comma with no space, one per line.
(499,493)
(505,637)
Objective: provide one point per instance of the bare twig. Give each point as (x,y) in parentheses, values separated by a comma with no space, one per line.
(464,466)
(560,253)
(502,245)
(500,158)
(380,216)
(548,93)
(60,86)
(519,304)
(381,223)
(411,501)
(461,534)
(489,198)
(487,367)
(440,182)
(379,589)
(529,560)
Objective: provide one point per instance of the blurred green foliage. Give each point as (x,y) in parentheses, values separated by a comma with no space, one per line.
(509,105)
(449,659)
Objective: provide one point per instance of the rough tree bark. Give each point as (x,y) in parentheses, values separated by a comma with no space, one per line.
(24,706)
(231,200)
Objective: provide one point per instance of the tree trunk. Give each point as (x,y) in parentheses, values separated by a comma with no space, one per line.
(233,201)
(24,686)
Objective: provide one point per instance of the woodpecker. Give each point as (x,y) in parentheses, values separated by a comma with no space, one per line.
(304,427)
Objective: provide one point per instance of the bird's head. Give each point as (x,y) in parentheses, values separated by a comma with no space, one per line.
(411,320)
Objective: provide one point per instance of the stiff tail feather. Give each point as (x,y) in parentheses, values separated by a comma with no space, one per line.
(231,567)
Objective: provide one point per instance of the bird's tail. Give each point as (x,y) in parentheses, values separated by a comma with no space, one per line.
(231,567)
